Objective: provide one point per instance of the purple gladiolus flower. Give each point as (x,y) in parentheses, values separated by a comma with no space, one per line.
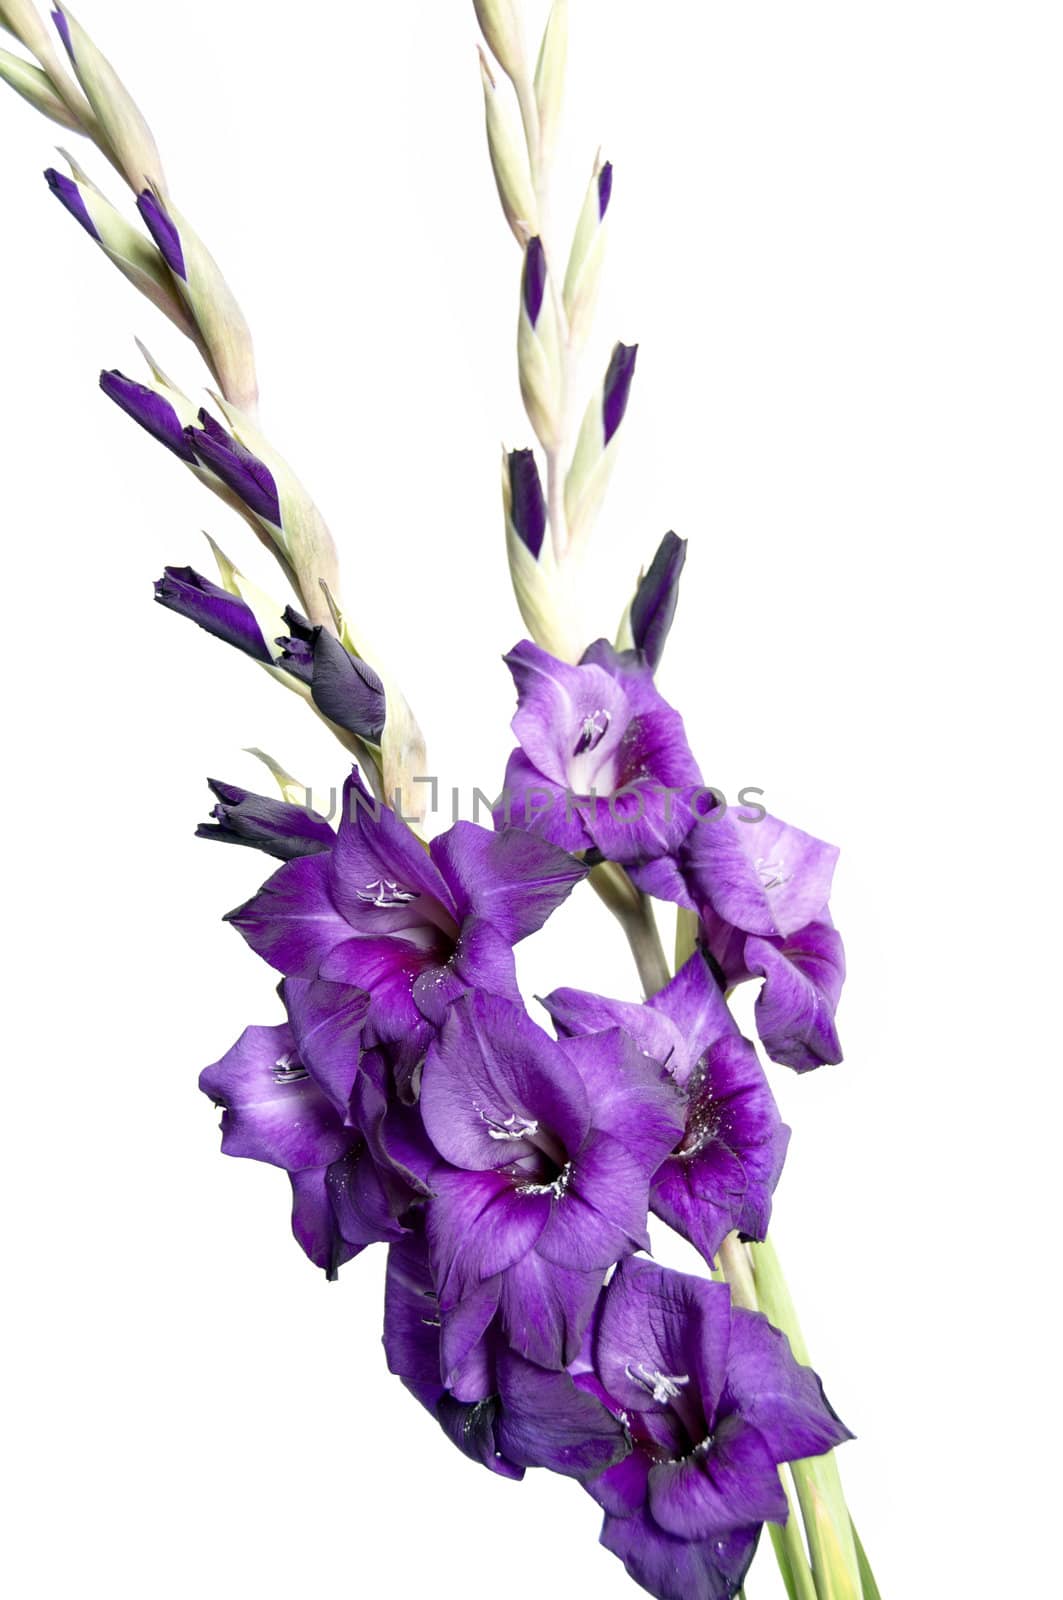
(154,413)
(534,285)
(617,387)
(413,927)
(714,1402)
(723,1169)
(343,687)
(518,1414)
(161,227)
(603,761)
(225,615)
(528,506)
(67,192)
(653,608)
(546,1154)
(605,189)
(236,466)
(281,830)
(761,889)
(275,1111)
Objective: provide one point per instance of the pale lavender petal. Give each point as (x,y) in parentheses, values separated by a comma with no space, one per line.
(762,876)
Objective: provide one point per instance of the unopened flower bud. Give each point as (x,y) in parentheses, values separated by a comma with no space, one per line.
(155,411)
(221,613)
(281,829)
(134,256)
(653,607)
(127,134)
(584,270)
(509,160)
(500,25)
(592,462)
(550,77)
(526,505)
(538,347)
(344,688)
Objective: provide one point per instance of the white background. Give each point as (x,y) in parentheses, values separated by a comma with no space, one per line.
(835,234)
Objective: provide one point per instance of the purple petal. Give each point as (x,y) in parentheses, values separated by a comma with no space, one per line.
(360,1202)
(762,876)
(533,804)
(781,1399)
(545,1309)
(154,413)
(381,876)
(482,959)
(478,1226)
(617,387)
(653,608)
(281,830)
(68,193)
(161,227)
(680,1569)
(605,188)
(632,1097)
(732,1484)
(547,1422)
(602,1213)
(803,977)
(63,29)
(387,969)
(327,1020)
(495,1087)
(411,1320)
(291,922)
(695,1005)
(511,879)
(527,505)
(534,284)
(314,1222)
(273,1109)
(241,471)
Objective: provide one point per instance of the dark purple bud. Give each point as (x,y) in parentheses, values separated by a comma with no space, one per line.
(528,508)
(617,387)
(534,286)
(162,231)
(146,406)
(655,599)
(225,615)
(281,830)
(605,189)
(67,192)
(63,29)
(234,464)
(343,687)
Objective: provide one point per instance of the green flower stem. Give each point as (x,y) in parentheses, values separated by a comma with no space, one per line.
(790,1554)
(836,1566)
(634,912)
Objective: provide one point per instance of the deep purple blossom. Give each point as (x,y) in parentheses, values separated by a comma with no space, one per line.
(161,226)
(653,608)
(533,287)
(68,193)
(603,761)
(154,413)
(275,1111)
(528,507)
(617,387)
(237,467)
(280,829)
(518,1414)
(343,686)
(413,927)
(761,889)
(722,1170)
(225,615)
(546,1154)
(713,1402)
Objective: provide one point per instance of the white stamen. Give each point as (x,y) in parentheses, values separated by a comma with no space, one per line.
(660,1385)
(385,892)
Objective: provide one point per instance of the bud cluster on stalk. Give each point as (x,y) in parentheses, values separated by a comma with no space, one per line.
(70,81)
(548,528)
